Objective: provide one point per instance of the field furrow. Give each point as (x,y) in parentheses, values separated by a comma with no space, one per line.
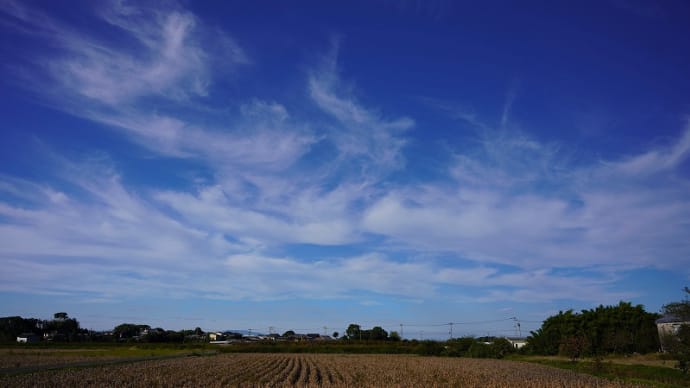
(315,377)
(296,371)
(279,370)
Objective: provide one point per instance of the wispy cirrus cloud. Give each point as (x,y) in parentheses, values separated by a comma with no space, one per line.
(362,132)
(660,160)
(515,203)
(164,53)
(211,208)
(502,219)
(161,52)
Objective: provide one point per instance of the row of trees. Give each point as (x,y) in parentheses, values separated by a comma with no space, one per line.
(377,333)
(144,333)
(60,328)
(623,328)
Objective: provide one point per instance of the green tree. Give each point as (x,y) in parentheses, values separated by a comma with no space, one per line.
(458,347)
(63,328)
(574,347)
(378,334)
(129,330)
(354,331)
(394,336)
(501,347)
(11,327)
(622,328)
(335,334)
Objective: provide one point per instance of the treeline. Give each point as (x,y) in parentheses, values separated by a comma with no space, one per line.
(60,328)
(623,329)
(486,347)
(144,333)
(377,333)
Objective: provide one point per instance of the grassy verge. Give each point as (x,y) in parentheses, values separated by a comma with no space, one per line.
(649,375)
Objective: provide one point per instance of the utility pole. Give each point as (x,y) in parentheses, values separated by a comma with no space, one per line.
(401,331)
(270,330)
(325,331)
(451,330)
(518,330)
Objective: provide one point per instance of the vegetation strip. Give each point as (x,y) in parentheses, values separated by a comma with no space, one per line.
(655,376)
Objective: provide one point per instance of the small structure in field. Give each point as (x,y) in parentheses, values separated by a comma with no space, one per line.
(517,342)
(667,326)
(27,338)
(217,336)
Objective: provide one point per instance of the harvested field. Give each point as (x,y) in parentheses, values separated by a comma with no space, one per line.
(19,358)
(15,358)
(312,370)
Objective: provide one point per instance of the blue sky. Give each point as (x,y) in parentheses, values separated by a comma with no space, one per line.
(253,165)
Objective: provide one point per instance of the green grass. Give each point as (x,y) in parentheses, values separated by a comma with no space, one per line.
(653,376)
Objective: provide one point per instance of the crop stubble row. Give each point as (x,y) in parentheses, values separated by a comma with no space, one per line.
(313,370)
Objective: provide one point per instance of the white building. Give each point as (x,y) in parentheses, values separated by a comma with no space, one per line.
(27,338)
(517,342)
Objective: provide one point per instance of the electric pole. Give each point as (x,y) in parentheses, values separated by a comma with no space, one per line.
(518,330)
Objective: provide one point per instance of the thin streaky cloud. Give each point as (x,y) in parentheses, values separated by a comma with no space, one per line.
(146,153)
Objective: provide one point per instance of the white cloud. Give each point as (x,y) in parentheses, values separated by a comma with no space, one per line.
(507,200)
(110,82)
(655,161)
(498,212)
(114,243)
(362,132)
(258,145)
(109,224)
(168,58)
(211,208)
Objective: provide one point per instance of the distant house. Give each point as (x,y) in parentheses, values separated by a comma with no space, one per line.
(216,336)
(517,342)
(27,338)
(668,325)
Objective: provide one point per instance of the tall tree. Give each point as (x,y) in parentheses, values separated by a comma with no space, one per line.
(354,331)
(378,334)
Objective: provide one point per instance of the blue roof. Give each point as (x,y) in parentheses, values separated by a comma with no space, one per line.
(668,319)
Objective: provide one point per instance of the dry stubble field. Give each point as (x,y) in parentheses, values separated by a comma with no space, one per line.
(311,370)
